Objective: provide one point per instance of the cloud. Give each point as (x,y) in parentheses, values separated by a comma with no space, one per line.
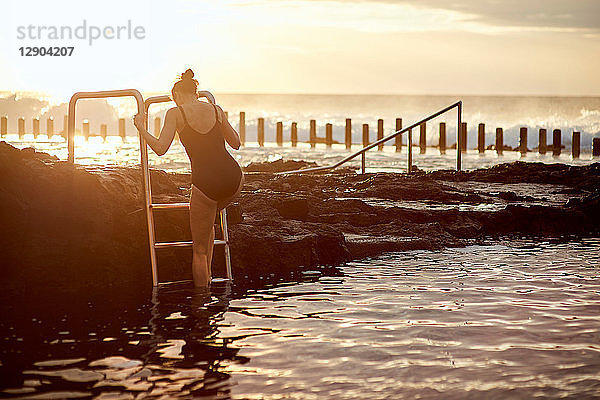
(551,14)
(478,16)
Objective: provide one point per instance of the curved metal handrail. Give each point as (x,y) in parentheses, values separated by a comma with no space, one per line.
(96,95)
(392,135)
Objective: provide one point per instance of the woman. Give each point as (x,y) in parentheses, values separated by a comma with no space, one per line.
(216,177)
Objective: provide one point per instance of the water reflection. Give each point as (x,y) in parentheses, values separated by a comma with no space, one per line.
(184,349)
(516,319)
(168,345)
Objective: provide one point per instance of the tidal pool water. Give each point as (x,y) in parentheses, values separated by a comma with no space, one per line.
(507,320)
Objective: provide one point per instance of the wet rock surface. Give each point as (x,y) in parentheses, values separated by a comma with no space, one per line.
(65,225)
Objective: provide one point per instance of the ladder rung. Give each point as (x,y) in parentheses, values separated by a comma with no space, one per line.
(170,206)
(162,245)
(174,282)
(215,280)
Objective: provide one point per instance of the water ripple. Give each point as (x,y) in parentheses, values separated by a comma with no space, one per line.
(512,320)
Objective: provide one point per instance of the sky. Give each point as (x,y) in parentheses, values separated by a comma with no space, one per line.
(471,47)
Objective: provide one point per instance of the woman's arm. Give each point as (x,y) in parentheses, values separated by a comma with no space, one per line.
(231,136)
(161,144)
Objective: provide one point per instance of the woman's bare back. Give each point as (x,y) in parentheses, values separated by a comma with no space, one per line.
(200,116)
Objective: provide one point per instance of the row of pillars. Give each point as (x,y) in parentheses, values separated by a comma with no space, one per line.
(543,147)
(50,127)
(499,144)
(313,139)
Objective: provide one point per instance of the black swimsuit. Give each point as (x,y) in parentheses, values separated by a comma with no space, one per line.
(214,171)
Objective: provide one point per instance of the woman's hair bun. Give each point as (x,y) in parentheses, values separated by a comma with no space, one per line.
(188,74)
(186,83)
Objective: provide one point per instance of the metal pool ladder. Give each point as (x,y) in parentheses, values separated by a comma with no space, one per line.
(151,207)
(143,106)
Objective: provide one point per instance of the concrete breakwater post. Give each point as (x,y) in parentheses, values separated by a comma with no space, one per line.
(523,141)
(348,134)
(499,141)
(328,135)
(312,134)
(398,138)
(3,126)
(279,133)
(21,127)
(36,127)
(65,126)
(365,134)
(442,140)
(122,129)
(294,134)
(380,133)
(260,132)
(50,127)
(481,138)
(596,147)
(542,143)
(556,142)
(242,130)
(103,132)
(463,137)
(422,138)
(86,129)
(576,145)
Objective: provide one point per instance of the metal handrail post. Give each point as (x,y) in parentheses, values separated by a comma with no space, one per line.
(148,200)
(225,232)
(409,151)
(458,138)
(362,163)
(148,191)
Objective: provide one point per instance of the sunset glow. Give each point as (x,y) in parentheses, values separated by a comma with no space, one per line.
(304,46)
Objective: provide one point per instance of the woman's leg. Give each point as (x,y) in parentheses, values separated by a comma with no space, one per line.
(202,218)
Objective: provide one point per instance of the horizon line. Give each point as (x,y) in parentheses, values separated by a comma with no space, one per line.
(8,93)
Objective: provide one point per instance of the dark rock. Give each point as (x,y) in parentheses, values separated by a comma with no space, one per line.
(361,246)
(30,152)
(512,196)
(234,214)
(573,203)
(293,208)
(282,246)
(74,226)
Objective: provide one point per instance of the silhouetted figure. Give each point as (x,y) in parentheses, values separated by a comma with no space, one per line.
(216,177)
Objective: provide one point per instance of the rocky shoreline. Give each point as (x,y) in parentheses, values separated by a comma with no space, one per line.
(66,226)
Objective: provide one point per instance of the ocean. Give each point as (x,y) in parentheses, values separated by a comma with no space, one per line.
(581,114)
